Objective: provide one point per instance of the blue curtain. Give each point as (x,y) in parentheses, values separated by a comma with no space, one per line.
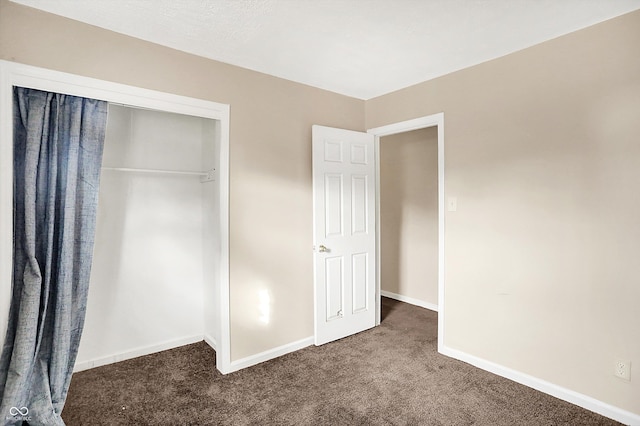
(58,143)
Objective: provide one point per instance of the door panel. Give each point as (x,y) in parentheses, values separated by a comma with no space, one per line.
(334,283)
(359,205)
(359,263)
(344,232)
(333,205)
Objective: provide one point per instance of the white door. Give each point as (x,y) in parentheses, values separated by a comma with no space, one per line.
(344,232)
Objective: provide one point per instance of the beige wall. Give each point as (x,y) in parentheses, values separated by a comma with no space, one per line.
(409,214)
(271,118)
(542,152)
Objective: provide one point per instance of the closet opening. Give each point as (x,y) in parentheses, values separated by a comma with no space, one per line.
(157,241)
(160,272)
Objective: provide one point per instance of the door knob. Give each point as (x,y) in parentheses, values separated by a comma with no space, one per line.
(323,249)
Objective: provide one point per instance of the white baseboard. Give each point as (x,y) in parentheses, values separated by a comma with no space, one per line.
(409,300)
(210,341)
(134,353)
(270,354)
(584,401)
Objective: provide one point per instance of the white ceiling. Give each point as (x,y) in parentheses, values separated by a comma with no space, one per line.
(360,48)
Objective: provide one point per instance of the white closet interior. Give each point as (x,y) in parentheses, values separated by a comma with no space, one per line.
(154,280)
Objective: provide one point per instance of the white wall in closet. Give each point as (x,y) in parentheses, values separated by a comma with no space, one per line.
(211,238)
(154,230)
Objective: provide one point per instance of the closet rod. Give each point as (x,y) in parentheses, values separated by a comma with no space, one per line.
(171,172)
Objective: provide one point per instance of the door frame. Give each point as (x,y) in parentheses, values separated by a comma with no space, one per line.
(16,74)
(434,120)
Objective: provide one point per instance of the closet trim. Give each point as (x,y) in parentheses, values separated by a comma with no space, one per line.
(15,74)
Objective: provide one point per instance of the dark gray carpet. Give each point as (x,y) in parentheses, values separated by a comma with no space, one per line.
(390,375)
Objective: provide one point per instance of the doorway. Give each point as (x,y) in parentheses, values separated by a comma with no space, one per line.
(409,217)
(437,121)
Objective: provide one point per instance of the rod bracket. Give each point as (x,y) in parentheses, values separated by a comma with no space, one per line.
(209,176)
